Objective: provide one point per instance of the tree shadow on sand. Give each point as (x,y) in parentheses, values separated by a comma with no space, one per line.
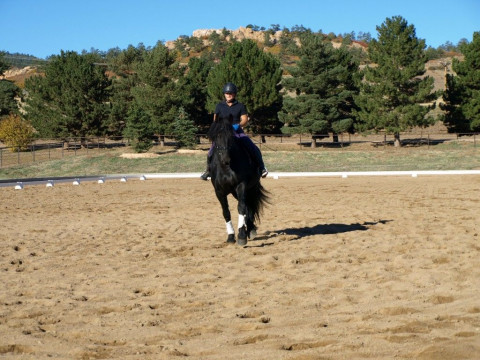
(321,229)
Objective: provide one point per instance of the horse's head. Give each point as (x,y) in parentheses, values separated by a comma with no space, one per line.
(221,133)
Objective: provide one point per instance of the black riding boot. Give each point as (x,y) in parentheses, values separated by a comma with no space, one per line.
(206,173)
(256,155)
(261,166)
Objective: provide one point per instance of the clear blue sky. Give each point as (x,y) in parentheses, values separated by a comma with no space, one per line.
(45,27)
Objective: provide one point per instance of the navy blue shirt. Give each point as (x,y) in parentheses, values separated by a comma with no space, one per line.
(236,110)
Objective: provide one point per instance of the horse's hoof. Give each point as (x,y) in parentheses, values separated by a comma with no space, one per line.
(231,239)
(242,236)
(252,234)
(242,242)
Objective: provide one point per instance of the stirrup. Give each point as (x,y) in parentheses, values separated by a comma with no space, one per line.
(205,175)
(264,172)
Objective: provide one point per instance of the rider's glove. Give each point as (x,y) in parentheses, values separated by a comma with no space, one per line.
(236,126)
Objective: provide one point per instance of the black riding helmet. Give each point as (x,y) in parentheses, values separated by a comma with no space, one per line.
(230,88)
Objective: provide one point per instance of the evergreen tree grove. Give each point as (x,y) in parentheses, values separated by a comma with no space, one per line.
(394,92)
(321,90)
(70,100)
(462,96)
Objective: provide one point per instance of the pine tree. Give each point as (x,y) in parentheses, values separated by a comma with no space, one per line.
(194,92)
(3,64)
(462,95)
(184,130)
(320,90)
(139,128)
(394,90)
(70,100)
(122,63)
(257,76)
(120,101)
(157,92)
(8,92)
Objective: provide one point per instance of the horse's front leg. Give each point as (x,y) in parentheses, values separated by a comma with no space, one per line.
(226,215)
(242,212)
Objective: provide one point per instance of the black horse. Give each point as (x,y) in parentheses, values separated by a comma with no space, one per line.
(234,172)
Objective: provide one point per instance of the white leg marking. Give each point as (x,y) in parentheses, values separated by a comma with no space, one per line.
(241,221)
(230,229)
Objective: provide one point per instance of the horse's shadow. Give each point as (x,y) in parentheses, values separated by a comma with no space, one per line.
(320,229)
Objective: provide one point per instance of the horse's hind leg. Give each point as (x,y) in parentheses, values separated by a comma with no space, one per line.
(251,228)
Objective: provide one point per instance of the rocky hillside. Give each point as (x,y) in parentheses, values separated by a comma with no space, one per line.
(239,34)
(18,76)
(247,33)
(436,68)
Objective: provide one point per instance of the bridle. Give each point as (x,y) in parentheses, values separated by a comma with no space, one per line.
(226,141)
(223,148)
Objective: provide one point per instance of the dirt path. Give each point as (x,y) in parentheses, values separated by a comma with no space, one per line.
(357,268)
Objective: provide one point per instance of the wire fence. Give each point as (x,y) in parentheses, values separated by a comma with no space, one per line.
(51,149)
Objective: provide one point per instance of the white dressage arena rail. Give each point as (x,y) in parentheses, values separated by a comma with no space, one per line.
(19,184)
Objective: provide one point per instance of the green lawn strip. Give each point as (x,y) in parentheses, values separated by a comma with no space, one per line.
(441,157)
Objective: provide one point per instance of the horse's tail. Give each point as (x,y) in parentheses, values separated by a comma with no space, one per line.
(257,197)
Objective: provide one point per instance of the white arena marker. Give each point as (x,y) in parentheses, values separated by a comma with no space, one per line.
(123,179)
(76,182)
(143,178)
(101,181)
(275,177)
(414,175)
(49,183)
(19,186)
(344,176)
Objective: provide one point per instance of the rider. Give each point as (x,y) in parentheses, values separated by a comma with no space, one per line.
(240,118)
